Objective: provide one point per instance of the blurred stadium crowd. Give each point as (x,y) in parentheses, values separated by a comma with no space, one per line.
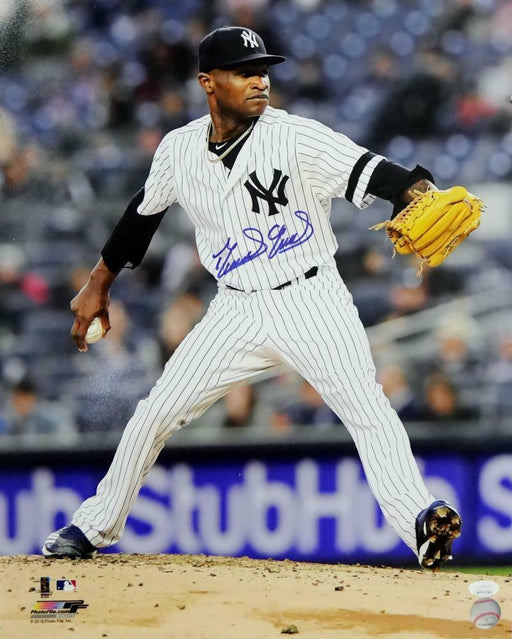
(88,89)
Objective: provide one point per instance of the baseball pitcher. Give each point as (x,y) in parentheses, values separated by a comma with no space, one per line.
(257,184)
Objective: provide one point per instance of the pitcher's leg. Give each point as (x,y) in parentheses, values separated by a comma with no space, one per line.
(322,337)
(219,353)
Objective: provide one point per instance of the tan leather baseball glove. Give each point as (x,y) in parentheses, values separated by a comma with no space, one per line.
(434,223)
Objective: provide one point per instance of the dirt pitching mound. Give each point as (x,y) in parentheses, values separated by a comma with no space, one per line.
(198,597)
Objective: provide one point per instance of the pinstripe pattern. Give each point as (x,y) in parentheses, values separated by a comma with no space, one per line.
(318,162)
(216,356)
(241,335)
(327,345)
(312,325)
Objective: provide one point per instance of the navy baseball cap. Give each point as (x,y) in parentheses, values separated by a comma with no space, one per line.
(229,46)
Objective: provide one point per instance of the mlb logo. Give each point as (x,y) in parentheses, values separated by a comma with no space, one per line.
(66,584)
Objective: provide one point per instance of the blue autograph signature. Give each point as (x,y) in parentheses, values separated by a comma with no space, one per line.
(277,241)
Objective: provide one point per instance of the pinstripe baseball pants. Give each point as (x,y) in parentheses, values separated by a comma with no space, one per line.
(314,327)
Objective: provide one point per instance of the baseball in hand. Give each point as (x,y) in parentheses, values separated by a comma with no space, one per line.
(95,331)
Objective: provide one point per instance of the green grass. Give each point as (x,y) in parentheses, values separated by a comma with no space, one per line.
(504,571)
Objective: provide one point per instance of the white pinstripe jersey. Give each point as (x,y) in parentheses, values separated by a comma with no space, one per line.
(266,221)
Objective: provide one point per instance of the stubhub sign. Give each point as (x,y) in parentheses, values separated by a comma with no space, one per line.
(305,509)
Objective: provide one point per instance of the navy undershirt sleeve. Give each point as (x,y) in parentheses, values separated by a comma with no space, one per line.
(390,180)
(131,237)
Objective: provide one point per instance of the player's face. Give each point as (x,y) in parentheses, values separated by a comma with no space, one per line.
(242,92)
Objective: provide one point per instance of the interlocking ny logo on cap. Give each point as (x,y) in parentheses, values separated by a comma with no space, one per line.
(249,39)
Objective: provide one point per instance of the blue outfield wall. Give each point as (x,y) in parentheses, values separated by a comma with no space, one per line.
(304,508)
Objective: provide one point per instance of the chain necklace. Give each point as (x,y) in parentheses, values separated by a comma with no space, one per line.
(230,148)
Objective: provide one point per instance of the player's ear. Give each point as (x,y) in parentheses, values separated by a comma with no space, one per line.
(205,80)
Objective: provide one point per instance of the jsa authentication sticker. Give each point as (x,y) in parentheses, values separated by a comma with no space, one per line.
(483,588)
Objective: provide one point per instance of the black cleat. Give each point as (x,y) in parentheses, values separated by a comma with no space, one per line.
(436,528)
(68,543)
